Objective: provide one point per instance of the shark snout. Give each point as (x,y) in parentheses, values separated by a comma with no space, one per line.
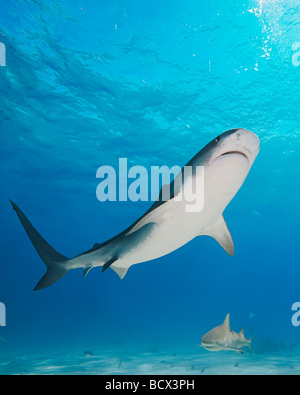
(239,141)
(248,143)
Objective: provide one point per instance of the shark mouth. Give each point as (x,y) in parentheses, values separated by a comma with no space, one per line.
(233,153)
(209,345)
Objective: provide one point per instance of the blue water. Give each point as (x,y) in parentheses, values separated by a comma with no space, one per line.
(89,82)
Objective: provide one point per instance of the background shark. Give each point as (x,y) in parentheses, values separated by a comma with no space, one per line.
(222,338)
(167,226)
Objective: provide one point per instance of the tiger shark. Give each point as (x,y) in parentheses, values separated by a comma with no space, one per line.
(166,226)
(222,338)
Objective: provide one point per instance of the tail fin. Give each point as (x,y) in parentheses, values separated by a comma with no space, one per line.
(52,259)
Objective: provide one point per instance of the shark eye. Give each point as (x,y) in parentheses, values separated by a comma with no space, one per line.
(218,139)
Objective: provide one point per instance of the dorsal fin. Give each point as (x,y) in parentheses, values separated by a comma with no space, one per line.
(221,234)
(242,332)
(226,323)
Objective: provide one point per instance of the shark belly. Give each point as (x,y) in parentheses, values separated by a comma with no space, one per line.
(177,227)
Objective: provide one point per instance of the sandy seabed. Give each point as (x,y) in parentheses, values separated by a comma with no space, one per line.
(158,363)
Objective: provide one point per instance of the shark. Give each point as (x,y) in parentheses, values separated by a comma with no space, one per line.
(222,338)
(167,225)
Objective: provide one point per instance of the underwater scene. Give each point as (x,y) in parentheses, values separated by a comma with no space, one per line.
(114,261)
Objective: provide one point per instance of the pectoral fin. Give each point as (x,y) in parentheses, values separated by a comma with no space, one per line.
(221,234)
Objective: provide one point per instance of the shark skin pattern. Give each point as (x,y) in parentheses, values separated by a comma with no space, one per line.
(167,226)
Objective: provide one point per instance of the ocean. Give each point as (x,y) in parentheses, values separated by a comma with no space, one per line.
(85,83)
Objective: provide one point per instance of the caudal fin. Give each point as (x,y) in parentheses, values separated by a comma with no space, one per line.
(55,262)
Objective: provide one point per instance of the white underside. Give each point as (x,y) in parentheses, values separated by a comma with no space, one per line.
(173,226)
